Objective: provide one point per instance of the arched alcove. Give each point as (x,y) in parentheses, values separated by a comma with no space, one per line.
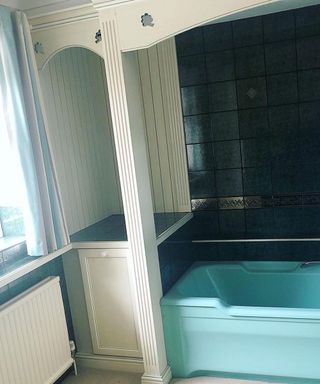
(80,131)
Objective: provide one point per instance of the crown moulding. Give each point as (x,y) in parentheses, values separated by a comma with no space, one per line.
(39,8)
(64,17)
(100,4)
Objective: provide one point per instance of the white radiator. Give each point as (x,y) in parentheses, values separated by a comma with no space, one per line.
(34,344)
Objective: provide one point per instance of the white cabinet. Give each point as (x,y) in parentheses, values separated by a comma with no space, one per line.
(110,302)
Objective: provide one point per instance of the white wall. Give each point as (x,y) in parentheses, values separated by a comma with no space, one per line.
(76,100)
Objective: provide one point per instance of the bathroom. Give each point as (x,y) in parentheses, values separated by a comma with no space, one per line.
(243,115)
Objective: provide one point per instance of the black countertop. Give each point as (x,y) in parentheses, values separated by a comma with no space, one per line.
(113,228)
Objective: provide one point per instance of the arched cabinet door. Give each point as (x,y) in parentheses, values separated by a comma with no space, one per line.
(75,28)
(110,302)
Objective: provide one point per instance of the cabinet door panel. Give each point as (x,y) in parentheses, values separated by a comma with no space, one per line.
(110,302)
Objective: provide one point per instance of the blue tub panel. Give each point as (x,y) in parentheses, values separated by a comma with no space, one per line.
(262,347)
(204,332)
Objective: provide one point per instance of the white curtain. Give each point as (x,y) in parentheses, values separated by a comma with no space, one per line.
(44,219)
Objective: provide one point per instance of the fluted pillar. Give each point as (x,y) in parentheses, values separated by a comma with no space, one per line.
(128,127)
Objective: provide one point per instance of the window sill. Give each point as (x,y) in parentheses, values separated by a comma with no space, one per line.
(10,241)
(29,264)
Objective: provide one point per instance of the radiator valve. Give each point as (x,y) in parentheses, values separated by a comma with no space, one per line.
(73,355)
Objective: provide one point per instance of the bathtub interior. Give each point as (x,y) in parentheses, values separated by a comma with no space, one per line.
(254,284)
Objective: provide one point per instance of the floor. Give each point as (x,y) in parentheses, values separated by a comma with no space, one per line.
(95,376)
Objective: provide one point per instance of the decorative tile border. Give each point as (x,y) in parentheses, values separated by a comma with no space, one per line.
(231,202)
(311,199)
(204,204)
(251,202)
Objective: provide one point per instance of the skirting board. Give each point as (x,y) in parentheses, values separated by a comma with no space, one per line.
(165,377)
(123,364)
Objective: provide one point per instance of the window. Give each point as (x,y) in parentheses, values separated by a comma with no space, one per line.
(27,173)
(11,186)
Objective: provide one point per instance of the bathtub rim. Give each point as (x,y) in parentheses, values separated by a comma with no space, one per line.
(174,298)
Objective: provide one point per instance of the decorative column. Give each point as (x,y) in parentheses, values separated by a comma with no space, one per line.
(126,110)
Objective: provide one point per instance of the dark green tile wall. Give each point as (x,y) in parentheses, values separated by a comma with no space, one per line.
(251,104)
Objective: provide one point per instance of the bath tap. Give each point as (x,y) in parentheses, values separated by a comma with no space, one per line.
(309,264)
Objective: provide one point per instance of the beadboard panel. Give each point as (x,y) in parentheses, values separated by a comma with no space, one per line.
(164,127)
(80,132)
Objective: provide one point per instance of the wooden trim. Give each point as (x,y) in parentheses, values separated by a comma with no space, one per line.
(136,193)
(58,10)
(164,378)
(121,364)
(96,327)
(103,4)
(100,245)
(170,231)
(55,38)
(46,22)
(31,266)
(170,17)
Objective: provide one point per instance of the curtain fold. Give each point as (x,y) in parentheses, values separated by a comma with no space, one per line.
(44,219)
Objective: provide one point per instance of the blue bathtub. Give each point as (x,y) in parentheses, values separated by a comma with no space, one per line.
(253,318)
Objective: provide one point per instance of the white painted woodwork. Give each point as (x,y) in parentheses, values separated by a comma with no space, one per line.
(36,8)
(161,95)
(110,363)
(80,134)
(124,87)
(170,84)
(147,272)
(110,303)
(34,342)
(77,302)
(171,230)
(172,17)
(31,265)
(164,127)
(53,5)
(100,244)
(76,28)
(67,16)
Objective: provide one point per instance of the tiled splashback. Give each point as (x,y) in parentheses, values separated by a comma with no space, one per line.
(251,104)
(177,256)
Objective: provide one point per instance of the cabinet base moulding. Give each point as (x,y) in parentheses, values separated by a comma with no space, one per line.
(111,363)
(165,378)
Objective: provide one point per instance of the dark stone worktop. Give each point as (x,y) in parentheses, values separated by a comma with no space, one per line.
(113,228)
